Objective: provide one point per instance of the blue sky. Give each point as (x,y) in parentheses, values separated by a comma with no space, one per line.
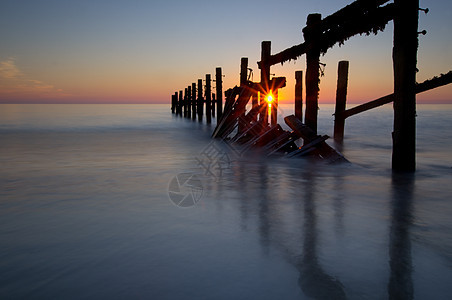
(142,51)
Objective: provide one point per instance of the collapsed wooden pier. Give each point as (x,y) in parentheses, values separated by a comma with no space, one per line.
(258,126)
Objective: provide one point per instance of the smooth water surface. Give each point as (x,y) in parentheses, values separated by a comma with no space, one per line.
(85,211)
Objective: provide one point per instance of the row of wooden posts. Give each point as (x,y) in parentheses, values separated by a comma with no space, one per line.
(361,16)
(190,103)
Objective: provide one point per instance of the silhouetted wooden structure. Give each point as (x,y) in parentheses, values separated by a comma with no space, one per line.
(252,128)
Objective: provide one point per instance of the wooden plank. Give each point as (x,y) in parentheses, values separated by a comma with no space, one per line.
(429,84)
(323,150)
(309,147)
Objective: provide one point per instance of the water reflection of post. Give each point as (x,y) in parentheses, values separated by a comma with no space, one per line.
(400,284)
(264,220)
(313,280)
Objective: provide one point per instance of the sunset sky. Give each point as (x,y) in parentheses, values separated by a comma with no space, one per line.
(142,51)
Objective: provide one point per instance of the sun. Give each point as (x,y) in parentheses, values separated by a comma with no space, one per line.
(269,98)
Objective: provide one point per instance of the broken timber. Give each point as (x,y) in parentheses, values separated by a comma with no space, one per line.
(312,140)
(252,129)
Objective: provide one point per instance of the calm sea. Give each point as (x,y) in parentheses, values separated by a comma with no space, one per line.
(95,204)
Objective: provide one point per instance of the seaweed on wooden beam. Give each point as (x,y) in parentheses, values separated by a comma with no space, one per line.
(372,21)
(360,17)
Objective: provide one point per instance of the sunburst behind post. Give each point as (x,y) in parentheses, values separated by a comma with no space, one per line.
(269,98)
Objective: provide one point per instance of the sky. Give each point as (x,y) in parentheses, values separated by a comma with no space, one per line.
(142,51)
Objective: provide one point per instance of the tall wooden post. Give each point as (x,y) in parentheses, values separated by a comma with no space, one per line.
(193,101)
(219,86)
(299,95)
(200,101)
(404,57)
(175,103)
(172,104)
(265,79)
(274,110)
(341,99)
(311,34)
(208,99)
(189,101)
(213,105)
(243,85)
(181,103)
(185,103)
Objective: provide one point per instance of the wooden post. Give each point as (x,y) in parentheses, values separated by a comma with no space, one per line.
(181,103)
(299,95)
(243,85)
(213,105)
(175,103)
(274,110)
(189,100)
(208,99)
(404,57)
(265,79)
(185,103)
(219,85)
(341,99)
(200,101)
(311,34)
(193,101)
(172,104)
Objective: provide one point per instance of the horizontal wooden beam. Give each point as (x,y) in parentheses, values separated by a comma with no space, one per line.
(427,85)
(372,21)
(357,8)
(360,17)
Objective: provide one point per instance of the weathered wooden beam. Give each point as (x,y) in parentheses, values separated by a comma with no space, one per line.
(435,82)
(309,147)
(322,150)
(373,21)
(219,87)
(208,98)
(311,34)
(341,98)
(299,95)
(355,9)
(429,84)
(404,63)
(362,16)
